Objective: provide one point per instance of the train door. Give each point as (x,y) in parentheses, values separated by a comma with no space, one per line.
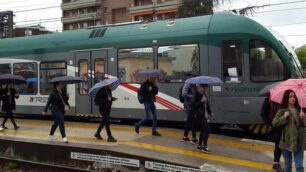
(91,67)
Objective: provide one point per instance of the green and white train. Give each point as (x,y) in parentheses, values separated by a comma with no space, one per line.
(240,51)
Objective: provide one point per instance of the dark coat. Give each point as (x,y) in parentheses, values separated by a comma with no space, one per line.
(101,99)
(149,96)
(56,102)
(197,106)
(7,105)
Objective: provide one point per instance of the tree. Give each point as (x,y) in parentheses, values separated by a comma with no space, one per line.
(191,8)
(301,53)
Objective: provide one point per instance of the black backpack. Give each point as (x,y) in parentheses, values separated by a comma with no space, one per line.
(181,95)
(140,96)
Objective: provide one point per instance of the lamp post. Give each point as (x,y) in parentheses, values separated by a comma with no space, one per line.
(154,2)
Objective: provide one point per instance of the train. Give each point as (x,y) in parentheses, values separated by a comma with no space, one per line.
(236,49)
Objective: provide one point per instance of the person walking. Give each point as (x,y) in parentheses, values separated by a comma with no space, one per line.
(292,120)
(269,110)
(104,100)
(200,105)
(9,95)
(149,90)
(58,109)
(191,120)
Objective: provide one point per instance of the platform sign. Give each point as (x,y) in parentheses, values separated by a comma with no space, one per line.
(170,168)
(105,159)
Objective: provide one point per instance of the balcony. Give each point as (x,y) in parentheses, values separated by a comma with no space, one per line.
(81,17)
(164,7)
(75,4)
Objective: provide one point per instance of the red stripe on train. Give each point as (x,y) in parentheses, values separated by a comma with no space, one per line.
(160,100)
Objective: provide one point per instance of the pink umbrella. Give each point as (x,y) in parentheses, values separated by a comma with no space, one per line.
(296,85)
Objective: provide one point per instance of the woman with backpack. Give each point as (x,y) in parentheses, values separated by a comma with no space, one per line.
(292,120)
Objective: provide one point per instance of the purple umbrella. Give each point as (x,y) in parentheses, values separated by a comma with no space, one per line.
(204,80)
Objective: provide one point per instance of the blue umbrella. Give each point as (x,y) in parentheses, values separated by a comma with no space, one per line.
(67,80)
(204,80)
(95,89)
(32,80)
(9,78)
(153,73)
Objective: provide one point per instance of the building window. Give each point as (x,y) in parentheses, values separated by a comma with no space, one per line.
(265,64)
(29,72)
(48,71)
(232,53)
(5,69)
(83,74)
(132,61)
(179,62)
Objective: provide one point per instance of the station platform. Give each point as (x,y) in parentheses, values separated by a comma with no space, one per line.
(137,152)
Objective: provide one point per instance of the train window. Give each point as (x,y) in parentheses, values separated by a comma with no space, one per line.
(30,73)
(262,57)
(179,62)
(83,74)
(132,61)
(99,70)
(48,71)
(232,53)
(5,69)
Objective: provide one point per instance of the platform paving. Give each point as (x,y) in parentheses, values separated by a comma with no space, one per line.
(229,153)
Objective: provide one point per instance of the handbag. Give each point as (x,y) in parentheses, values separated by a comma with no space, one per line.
(66,107)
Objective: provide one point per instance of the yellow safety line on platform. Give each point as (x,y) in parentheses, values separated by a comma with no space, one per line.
(217,158)
(174,134)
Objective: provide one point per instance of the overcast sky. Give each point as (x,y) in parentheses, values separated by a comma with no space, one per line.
(288,19)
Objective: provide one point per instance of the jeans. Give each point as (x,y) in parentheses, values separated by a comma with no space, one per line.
(150,108)
(104,122)
(298,160)
(190,124)
(58,121)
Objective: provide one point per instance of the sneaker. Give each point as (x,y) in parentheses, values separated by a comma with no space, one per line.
(16,127)
(185,139)
(206,150)
(98,136)
(194,141)
(111,139)
(65,140)
(137,129)
(4,127)
(51,137)
(200,148)
(155,133)
(277,167)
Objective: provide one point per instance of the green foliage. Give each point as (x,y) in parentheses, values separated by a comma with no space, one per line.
(301,53)
(11,165)
(196,8)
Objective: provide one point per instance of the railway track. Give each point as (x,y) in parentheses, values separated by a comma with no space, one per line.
(12,165)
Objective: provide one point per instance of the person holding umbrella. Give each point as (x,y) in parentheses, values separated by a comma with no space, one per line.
(9,95)
(292,119)
(148,90)
(58,103)
(102,93)
(58,109)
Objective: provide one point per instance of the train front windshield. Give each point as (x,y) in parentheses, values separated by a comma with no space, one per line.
(291,53)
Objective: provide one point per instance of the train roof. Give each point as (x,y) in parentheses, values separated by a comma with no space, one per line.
(186,30)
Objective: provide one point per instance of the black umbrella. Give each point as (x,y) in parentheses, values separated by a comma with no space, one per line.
(9,78)
(151,73)
(266,90)
(67,80)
